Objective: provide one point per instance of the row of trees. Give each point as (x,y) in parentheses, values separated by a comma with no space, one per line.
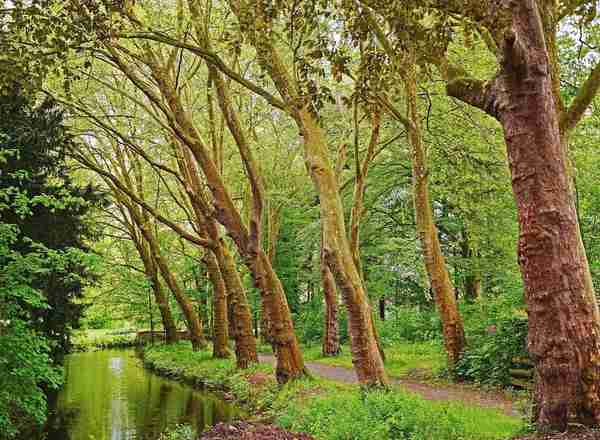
(191,104)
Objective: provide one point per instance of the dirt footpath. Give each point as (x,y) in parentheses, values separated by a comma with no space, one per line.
(451,392)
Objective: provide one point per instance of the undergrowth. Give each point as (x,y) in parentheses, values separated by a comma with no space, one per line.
(87,340)
(330,410)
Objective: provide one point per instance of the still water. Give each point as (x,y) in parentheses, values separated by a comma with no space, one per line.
(108,395)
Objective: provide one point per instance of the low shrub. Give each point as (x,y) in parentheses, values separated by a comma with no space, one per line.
(179,432)
(489,356)
(409,324)
(496,334)
(393,415)
(99,339)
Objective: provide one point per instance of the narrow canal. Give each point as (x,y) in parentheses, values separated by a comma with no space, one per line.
(109,395)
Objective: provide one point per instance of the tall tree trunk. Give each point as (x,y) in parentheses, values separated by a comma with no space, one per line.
(255,19)
(472,287)
(238,309)
(435,263)
(192,318)
(151,271)
(472,278)
(162,302)
(366,355)
(382,308)
(265,322)
(564,330)
(273,226)
(220,315)
(290,364)
(331,335)
(245,343)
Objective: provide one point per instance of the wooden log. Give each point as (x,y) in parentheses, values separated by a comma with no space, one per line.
(521,373)
(522,361)
(521,383)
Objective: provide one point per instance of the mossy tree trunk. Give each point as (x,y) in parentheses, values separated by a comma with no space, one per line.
(435,263)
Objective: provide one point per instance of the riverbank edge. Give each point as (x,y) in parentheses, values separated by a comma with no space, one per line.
(323,408)
(248,389)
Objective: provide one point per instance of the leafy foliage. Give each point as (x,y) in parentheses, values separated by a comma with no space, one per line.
(42,271)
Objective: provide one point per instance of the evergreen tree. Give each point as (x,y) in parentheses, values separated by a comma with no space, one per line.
(43,257)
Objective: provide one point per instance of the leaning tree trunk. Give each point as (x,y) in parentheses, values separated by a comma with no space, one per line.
(366,355)
(162,301)
(331,335)
(245,343)
(238,309)
(564,332)
(192,318)
(435,263)
(163,304)
(290,364)
(220,315)
(472,279)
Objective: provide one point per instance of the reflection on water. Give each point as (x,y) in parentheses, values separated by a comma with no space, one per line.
(108,395)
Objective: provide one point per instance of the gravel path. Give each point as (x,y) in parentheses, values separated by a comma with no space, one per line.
(451,392)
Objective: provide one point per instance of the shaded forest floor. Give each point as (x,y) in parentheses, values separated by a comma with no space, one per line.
(466,394)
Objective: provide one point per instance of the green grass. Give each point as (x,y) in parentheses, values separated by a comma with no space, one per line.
(330,410)
(84,340)
(422,358)
(345,413)
(178,361)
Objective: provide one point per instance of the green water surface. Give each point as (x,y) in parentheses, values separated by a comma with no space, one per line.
(108,395)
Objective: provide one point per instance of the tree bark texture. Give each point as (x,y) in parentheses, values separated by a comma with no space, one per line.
(564,333)
(331,334)
(220,315)
(435,263)
(245,343)
(161,298)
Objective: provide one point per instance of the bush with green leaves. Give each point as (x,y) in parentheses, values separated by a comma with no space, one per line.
(410,324)
(397,415)
(496,334)
(489,356)
(25,363)
(42,269)
(179,432)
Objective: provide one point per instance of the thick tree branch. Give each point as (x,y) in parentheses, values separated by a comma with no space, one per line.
(475,92)
(584,98)
(116,183)
(214,60)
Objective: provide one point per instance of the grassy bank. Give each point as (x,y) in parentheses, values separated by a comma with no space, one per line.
(332,411)
(85,340)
